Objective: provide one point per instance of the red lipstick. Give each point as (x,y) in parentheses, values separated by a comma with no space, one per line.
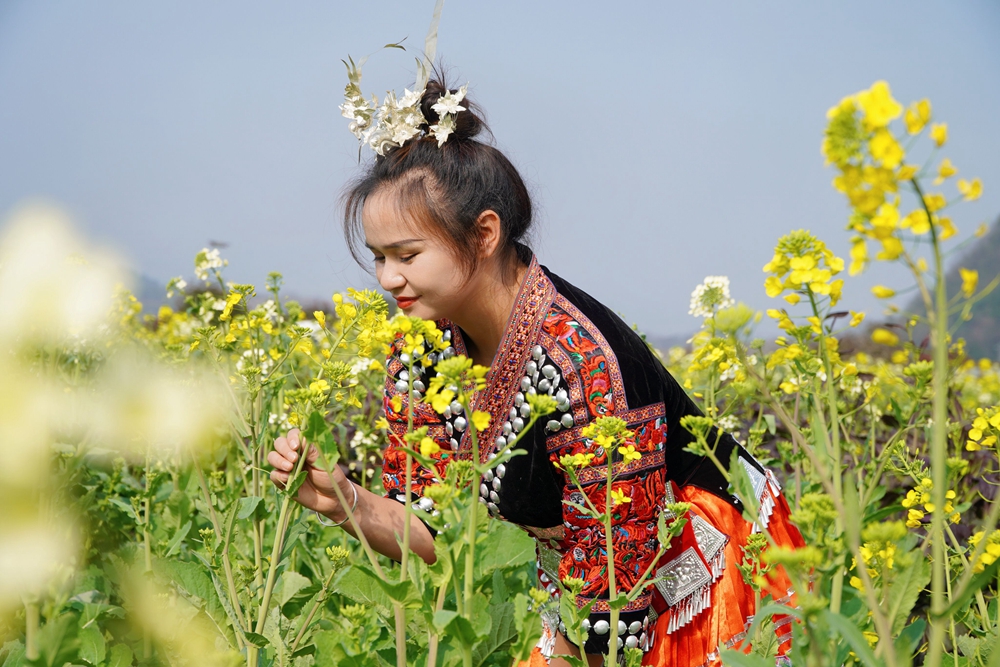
(404,302)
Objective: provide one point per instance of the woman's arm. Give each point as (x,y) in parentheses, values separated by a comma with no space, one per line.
(381,519)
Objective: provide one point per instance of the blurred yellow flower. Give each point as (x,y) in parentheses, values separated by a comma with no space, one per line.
(428,447)
(878,105)
(320,317)
(970,278)
(917,116)
(480,419)
(884,337)
(883,292)
(971,190)
(945,171)
(939,133)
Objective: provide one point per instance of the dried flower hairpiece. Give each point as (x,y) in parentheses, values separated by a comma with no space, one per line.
(396,120)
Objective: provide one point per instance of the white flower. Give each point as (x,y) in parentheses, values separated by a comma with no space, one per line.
(410,98)
(712,295)
(449,103)
(177,284)
(443,129)
(207,260)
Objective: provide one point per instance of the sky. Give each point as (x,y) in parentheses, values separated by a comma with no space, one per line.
(663,141)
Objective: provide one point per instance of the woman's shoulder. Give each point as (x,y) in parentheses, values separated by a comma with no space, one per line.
(600,343)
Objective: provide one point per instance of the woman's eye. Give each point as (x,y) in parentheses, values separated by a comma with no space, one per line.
(379,259)
(407,258)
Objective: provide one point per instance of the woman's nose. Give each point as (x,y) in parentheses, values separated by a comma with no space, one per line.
(391,279)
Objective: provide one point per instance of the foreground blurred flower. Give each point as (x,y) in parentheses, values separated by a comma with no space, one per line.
(53,287)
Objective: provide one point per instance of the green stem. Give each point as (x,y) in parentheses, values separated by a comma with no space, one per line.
(276,549)
(399,610)
(147,640)
(939,454)
(312,612)
(31,621)
(234,598)
(471,528)
(612,587)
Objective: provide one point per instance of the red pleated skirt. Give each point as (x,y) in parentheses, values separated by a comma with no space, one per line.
(724,623)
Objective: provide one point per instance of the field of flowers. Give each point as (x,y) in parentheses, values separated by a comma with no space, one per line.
(139,526)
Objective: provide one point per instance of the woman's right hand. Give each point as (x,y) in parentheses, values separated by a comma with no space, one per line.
(317,491)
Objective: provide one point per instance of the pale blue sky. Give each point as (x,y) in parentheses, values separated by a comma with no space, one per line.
(664,141)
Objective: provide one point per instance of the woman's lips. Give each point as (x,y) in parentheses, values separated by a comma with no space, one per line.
(405,302)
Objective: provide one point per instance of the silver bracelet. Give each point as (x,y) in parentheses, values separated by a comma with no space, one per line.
(326,522)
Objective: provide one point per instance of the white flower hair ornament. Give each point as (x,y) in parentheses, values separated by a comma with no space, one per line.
(396,120)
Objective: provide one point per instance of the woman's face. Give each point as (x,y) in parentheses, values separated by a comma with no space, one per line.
(416,267)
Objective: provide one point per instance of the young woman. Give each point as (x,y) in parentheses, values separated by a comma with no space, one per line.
(445,221)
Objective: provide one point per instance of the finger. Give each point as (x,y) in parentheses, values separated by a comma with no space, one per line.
(279,478)
(279,462)
(281,446)
(294,438)
(312,455)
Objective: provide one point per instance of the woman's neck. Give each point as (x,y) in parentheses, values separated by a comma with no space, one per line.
(484,320)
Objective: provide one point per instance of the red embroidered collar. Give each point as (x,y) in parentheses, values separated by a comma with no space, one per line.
(534,298)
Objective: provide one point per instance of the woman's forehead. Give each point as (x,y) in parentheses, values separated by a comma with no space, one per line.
(388,224)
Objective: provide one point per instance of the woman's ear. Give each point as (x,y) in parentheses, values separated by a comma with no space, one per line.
(488,228)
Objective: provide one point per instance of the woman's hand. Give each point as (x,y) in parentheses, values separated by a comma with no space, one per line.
(317,491)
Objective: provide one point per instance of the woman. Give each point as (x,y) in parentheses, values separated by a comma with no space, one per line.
(445,220)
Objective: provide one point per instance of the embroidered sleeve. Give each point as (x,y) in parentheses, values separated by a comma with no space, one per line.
(396,405)
(582,553)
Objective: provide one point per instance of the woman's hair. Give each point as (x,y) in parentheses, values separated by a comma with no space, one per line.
(445,189)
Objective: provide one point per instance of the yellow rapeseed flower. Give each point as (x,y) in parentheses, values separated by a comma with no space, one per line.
(971,190)
(480,419)
(885,337)
(883,292)
(878,105)
(618,497)
(857,318)
(945,171)
(917,116)
(939,133)
(320,317)
(629,454)
(970,278)
(428,447)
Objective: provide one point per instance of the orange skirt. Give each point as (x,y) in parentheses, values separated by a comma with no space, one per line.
(722,625)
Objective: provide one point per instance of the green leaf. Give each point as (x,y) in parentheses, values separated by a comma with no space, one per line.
(742,486)
(247,506)
(359,584)
(289,586)
(741,659)
(125,507)
(456,627)
(505,546)
(57,641)
(260,641)
(315,427)
(905,589)
(93,648)
(528,626)
(769,420)
(852,634)
(909,639)
(175,542)
(294,483)
(501,634)
(121,656)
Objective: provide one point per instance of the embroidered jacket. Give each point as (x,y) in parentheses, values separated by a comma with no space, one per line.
(562,342)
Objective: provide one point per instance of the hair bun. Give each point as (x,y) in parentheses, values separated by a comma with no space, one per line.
(468,123)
